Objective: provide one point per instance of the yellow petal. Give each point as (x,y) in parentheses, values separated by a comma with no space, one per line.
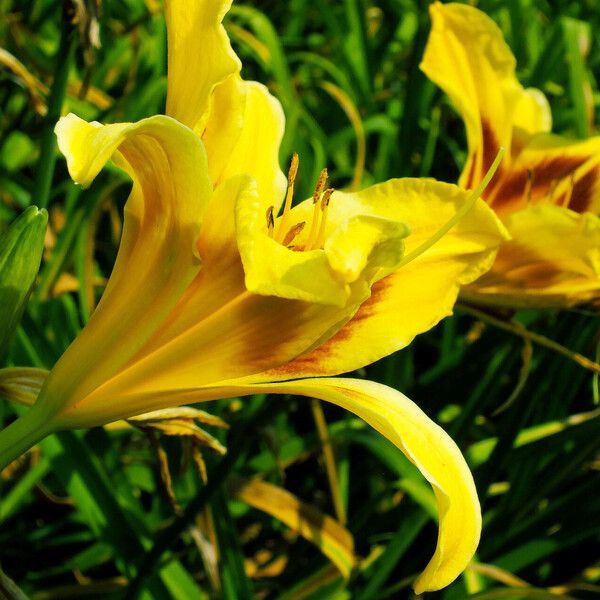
(250,334)
(414,298)
(466,55)
(218,330)
(551,169)
(393,415)
(468,58)
(427,445)
(242,136)
(366,245)
(532,112)
(157,257)
(200,57)
(553,260)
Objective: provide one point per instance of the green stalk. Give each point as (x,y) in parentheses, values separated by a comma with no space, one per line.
(47,160)
(23,434)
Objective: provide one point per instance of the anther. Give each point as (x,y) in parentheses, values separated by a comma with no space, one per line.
(321,183)
(293,171)
(314,223)
(292,233)
(326,198)
(270,221)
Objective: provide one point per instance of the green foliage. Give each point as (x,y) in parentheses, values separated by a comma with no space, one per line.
(87,513)
(21,249)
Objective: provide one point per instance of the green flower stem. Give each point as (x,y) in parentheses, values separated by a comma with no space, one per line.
(47,160)
(23,434)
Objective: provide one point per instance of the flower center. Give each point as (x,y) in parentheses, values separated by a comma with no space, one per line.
(285,234)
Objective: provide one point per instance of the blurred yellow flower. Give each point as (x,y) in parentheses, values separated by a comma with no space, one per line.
(213,295)
(546,190)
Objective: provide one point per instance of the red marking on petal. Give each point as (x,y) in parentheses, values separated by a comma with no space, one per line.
(491,146)
(310,362)
(546,174)
(584,191)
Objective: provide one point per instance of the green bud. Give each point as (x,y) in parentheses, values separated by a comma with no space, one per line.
(21,247)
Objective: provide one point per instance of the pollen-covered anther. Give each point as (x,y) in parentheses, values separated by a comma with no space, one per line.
(292,233)
(293,170)
(326,198)
(270,221)
(321,183)
(314,224)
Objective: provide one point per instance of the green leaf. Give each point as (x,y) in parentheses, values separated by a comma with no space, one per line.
(21,249)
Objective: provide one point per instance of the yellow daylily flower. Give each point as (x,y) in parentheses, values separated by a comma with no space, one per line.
(547,188)
(214,295)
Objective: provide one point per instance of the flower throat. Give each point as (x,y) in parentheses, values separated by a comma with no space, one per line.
(285,234)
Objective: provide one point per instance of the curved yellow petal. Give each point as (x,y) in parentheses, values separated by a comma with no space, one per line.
(552,170)
(414,298)
(430,448)
(199,57)
(424,442)
(553,260)
(367,246)
(242,136)
(532,112)
(157,256)
(467,57)
(392,414)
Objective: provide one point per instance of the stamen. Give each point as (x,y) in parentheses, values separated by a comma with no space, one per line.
(444,229)
(292,233)
(569,193)
(529,185)
(314,224)
(324,207)
(321,183)
(552,189)
(270,221)
(293,171)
